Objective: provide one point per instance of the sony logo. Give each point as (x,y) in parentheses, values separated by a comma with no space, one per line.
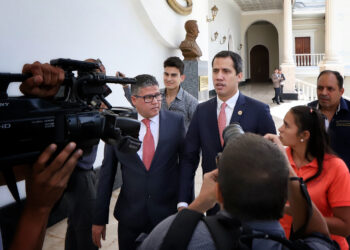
(4,104)
(5,125)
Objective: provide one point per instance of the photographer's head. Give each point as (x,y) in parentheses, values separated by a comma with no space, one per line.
(146,96)
(253,178)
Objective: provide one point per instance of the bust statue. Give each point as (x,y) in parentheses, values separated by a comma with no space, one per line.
(189,48)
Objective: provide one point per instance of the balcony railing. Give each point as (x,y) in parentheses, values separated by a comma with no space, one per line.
(307,60)
(306,91)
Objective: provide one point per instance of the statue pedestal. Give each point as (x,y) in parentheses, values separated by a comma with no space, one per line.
(289,85)
(194,70)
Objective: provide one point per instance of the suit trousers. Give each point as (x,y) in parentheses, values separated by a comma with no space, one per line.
(281,93)
(277,95)
(127,236)
(80,196)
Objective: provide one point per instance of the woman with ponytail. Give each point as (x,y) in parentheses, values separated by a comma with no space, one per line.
(326,176)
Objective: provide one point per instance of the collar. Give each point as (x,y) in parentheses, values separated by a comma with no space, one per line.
(342,106)
(179,95)
(312,164)
(259,225)
(154,119)
(230,102)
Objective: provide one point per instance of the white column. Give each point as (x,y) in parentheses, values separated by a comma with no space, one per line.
(331,60)
(287,36)
(288,66)
(330,50)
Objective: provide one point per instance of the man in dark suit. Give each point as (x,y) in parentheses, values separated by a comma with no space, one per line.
(211,117)
(149,192)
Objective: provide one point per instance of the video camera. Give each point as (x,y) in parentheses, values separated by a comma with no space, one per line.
(28,125)
(232,132)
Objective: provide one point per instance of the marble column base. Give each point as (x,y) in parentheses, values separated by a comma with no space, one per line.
(289,72)
(194,69)
(288,69)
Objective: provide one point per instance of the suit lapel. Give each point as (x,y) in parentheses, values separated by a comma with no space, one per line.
(238,110)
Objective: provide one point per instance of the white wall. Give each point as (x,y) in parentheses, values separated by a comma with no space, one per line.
(125,35)
(122,34)
(170,28)
(226,23)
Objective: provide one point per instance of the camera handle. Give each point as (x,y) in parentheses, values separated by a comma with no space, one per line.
(6,79)
(10,180)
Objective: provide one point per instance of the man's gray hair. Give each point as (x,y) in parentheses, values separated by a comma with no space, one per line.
(143,81)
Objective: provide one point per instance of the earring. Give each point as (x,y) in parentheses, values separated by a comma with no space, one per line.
(301,140)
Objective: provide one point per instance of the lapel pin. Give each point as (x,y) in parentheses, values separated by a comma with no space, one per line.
(240,112)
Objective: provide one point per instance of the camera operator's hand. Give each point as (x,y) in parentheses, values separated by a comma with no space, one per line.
(45,185)
(98,232)
(275,139)
(120,74)
(207,195)
(45,82)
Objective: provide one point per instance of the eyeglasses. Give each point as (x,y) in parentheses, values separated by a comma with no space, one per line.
(149,98)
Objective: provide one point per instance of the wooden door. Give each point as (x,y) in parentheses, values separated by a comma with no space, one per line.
(259,64)
(302,46)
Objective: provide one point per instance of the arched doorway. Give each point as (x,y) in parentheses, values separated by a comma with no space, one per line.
(262,33)
(259,64)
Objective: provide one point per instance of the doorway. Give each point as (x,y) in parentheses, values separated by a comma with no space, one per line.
(259,64)
(302,51)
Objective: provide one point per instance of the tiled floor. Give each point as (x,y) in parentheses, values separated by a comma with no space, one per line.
(54,239)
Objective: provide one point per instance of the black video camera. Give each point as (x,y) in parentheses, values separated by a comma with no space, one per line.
(232,132)
(28,125)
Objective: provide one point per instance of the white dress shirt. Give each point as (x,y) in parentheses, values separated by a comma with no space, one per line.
(231,103)
(154,124)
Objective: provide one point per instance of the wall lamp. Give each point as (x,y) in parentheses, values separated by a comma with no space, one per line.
(223,40)
(214,12)
(216,34)
(240,46)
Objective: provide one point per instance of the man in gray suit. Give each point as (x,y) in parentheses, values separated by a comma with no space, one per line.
(149,192)
(276,81)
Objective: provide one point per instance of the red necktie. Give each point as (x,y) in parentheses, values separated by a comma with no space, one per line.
(222,121)
(148,145)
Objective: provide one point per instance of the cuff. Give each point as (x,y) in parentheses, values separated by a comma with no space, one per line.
(182,204)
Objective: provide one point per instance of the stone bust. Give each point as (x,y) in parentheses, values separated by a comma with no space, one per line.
(189,48)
